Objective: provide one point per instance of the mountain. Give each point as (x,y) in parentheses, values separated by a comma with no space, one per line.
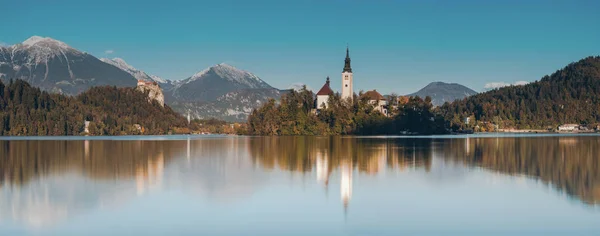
(221,91)
(216,81)
(56,67)
(234,106)
(441,92)
(569,95)
(138,74)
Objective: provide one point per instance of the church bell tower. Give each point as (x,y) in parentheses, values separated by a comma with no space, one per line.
(347,90)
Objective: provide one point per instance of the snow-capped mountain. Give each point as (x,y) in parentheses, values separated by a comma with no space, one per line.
(138,74)
(221,91)
(54,66)
(213,82)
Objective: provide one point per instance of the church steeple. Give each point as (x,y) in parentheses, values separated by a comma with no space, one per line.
(347,88)
(347,67)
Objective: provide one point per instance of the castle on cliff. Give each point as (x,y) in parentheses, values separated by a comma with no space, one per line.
(154,91)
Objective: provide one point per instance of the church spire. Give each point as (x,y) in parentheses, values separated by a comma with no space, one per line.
(347,67)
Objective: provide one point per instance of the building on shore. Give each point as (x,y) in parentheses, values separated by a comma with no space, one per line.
(323,95)
(568,127)
(377,100)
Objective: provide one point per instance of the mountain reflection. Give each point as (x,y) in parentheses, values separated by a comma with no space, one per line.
(45,181)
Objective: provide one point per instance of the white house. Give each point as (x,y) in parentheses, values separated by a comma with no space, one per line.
(568,127)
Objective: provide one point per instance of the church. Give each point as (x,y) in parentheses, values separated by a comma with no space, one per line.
(375,98)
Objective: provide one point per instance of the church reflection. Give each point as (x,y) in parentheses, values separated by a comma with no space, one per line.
(342,156)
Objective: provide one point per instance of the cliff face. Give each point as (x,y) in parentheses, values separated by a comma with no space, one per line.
(154,91)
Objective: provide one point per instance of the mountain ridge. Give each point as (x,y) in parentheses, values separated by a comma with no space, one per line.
(441,92)
(138,74)
(55,66)
(215,81)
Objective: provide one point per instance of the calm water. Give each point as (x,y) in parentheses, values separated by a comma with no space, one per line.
(179,185)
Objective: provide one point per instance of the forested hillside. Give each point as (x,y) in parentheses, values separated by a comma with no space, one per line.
(570,95)
(25,110)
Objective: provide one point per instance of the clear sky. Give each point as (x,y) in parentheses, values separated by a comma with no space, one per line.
(396,46)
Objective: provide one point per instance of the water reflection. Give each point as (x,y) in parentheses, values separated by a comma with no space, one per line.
(569,164)
(324,155)
(45,182)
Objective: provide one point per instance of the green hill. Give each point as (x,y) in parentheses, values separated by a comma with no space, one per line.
(570,95)
(25,110)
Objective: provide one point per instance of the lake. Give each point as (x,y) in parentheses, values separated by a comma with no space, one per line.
(229,185)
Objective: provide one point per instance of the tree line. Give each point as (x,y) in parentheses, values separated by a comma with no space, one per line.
(25,110)
(570,95)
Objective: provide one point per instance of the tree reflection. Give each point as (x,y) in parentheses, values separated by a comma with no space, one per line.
(570,164)
(368,155)
(325,154)
(43,178)
(99,159)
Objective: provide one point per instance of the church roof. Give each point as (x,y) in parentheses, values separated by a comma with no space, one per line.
(325,90)
(373,95)
(347,67)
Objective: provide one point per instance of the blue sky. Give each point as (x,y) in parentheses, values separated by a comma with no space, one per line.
(396,46)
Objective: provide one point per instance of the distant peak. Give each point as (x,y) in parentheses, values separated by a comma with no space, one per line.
(122,62)
(117,59)
(438,83)
(226,68)
(225,65)
(33,40)
(118,62)
(230,73)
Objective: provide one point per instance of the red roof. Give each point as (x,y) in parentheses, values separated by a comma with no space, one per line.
(373,95)
(325,90)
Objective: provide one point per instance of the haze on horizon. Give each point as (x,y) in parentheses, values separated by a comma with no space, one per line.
(396,46)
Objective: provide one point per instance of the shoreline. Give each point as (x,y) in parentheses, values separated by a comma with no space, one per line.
(192,136)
